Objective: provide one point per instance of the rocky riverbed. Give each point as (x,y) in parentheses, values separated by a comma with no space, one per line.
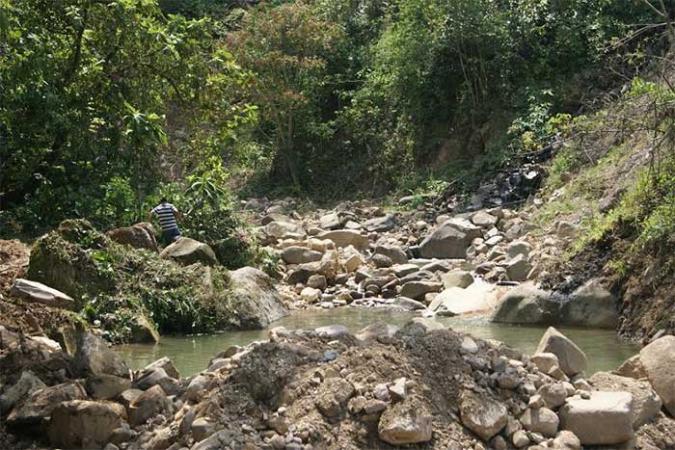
(422,385)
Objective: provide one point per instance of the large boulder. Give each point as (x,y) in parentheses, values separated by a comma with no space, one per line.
(658,361)
(457,278)
(482,415)
(476,297)
(603,419)
(380,224)
(62,259)
(417,289)
(150,403)
(37,407)
(591,305)
(27,384)
(406,422)
(525,304)
(345,238)
(84,424)
(540,420)
(300,255)
(282,228)
(105,387)
(395,253)
(188,251)
(140,235)
(255,301)
(646,403)
(572,359)
(94,357)
(449,240)
(32,291)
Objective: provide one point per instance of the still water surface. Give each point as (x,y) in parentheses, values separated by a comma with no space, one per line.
(191,354)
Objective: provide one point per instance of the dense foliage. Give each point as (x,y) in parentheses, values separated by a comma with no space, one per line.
(105,105)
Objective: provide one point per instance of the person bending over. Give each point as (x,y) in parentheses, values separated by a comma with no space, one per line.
(167,214)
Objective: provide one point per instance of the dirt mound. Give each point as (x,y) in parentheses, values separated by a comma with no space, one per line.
(13,263)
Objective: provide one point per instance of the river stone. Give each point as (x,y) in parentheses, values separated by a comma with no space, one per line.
(408,304)
(27,384)
(525,304)
(140,235)
(572,359)
(658,360)
(406,422)
(254,298)
(188,251)
(332,221)
(284,228)
(94,357)
(32,291)
(105,387)
(632,368)
(482,415)
(545,361)
(591,305)
(457,278)
(540,420)
(518,268)
(345,238)
(38,406)
(484,219)
(300,255)
(646,403)
(603,419)
(417,289)
(84,424)
(166,364)
(380,224)
(553,394)
(449,240)
(396,254)
(148,404)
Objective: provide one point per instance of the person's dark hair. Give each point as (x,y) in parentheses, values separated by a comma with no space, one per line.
(164,200)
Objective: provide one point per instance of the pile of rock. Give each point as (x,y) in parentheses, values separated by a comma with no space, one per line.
(328,389)
(362,255)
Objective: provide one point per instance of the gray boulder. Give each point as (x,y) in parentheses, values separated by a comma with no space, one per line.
(380,224)
(84,424)
(345,238)
(94,357)
(450,240)
(603,419)
(32,291)
(300,255)
(645,404)
(591,305)
(396,254)
(572,359)
(188,251)
(27,384)
(457,278)
(38,406)
(658,360)
(482,415)
(406,422)
(140,235)
(148,404)
(255,301)
(527,305)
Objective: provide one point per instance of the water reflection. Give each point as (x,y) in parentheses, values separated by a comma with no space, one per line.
(192,353)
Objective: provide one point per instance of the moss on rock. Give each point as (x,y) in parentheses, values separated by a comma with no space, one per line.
(134,293)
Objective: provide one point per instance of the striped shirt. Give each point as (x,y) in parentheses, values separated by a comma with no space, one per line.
(166,213)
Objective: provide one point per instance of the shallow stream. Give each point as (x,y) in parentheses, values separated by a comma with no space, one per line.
(191,354)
